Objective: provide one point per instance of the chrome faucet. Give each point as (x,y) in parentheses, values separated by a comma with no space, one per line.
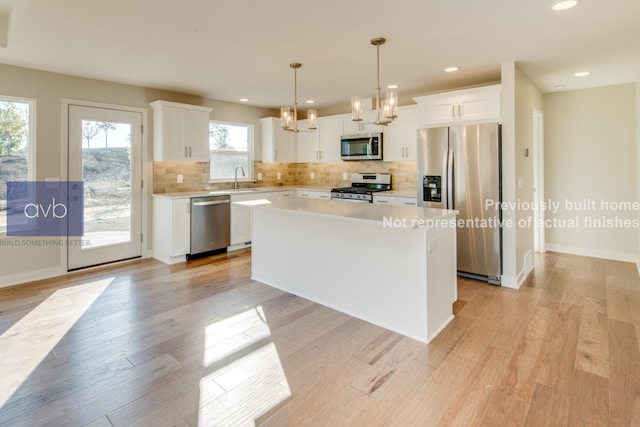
(235,187)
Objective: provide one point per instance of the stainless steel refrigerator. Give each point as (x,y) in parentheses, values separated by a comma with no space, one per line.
(459,167)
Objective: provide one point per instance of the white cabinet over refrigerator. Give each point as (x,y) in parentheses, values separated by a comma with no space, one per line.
(467,105)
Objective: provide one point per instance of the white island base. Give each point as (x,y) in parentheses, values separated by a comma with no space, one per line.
(340,255)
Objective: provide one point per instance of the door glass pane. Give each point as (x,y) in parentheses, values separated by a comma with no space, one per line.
(106,172)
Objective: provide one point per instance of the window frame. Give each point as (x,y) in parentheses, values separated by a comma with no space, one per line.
(31,142)
(250,152)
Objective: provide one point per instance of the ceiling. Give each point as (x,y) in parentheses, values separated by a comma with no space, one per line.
(229,50)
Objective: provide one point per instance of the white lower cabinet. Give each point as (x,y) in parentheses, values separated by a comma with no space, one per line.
(314,194)
(241,215)
(395,200)
(171,229)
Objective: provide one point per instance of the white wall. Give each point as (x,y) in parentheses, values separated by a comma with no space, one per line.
(509,235)
(22,263)
(590,162)
(638,161)
(519,98)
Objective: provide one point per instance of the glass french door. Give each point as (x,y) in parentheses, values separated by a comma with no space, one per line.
(105,148)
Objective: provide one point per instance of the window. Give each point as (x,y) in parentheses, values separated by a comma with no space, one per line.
(230,146)
(17,146)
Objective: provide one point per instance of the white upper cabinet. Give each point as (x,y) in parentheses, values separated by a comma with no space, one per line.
(331,129)
(278,145)
(468,105)
(307,143)
(399,140)
(322,145)
(180,132)
(365,126)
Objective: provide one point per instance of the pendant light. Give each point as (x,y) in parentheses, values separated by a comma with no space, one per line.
(386,111)
(289,119)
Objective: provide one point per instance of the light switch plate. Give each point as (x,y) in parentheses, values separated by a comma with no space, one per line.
(312,175)
(259,176)
(278,176)
(180,178)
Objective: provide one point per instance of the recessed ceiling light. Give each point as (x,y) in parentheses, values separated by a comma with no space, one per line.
(392,87)
(244,99)
(581,74)
(564,5)
(451,69)
(310,101)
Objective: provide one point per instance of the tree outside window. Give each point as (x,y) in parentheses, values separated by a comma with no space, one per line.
(230,146)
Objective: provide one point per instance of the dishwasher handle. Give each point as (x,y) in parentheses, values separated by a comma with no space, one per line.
(211,203)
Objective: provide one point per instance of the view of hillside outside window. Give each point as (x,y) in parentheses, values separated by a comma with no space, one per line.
(230,146)
(16,146)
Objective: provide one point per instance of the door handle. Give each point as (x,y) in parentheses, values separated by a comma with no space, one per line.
(450,181)
(211,203)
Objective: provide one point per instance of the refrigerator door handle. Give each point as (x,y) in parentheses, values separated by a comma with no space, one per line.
(445,178)
(450,183)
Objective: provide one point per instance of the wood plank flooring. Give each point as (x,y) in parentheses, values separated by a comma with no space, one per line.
(201,344)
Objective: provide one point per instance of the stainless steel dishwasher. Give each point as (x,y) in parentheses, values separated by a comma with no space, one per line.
(210,224)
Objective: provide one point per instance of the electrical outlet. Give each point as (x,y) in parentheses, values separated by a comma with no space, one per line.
(180,178)
(312,175)
(259,176)
(344,176)
(278,176)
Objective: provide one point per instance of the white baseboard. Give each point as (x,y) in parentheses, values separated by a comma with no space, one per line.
(593,253)
(17,279)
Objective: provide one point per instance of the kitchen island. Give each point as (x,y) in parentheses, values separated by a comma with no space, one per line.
(393,266)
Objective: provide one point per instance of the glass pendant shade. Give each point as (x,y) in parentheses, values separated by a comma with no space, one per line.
(392,102)
(356,109)
(286,120)
(312,117)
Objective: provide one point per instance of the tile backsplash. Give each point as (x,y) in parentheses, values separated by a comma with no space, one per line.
(326,175)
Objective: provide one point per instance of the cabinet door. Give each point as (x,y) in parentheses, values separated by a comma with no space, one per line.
(180,227)
(307,144)
(181,131)
(198,135)
(400,137)
(481,104)
(285,143)
(278,145)
(411,132)
(174,133)
(436,109)
(330,132)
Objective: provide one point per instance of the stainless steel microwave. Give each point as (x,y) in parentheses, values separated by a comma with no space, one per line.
(362,146)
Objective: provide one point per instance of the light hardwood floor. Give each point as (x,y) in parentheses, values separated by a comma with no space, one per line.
(145,344)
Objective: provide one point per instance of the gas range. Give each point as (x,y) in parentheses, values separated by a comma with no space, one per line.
(363,185)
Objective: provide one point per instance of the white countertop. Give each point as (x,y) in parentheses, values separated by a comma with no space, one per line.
(405,217)
(204,193)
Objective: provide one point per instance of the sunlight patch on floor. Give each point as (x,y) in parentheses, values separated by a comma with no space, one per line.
(246,378)
(27,343)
